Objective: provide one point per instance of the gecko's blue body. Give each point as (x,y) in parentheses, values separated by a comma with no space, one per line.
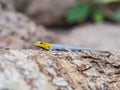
(65,47)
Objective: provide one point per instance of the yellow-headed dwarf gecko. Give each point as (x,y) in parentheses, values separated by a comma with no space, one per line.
(51,47)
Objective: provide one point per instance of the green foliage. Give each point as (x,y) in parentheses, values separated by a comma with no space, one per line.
(106,1)
(98,16)
(79,12)
(116,15)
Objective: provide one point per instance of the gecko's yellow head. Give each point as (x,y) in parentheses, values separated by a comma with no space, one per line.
(44,45)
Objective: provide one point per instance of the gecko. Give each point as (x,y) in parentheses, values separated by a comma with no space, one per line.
(52,47)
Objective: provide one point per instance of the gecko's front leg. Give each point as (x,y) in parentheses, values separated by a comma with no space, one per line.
(67,49)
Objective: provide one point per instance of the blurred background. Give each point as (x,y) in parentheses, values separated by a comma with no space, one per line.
(92,24)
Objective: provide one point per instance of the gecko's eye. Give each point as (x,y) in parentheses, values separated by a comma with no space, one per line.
(41,42)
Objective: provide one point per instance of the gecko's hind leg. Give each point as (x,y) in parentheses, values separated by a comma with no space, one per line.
(71,53)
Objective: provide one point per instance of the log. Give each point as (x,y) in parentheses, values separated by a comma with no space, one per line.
(59,70)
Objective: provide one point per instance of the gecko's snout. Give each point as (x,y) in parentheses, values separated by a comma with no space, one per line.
(37,43)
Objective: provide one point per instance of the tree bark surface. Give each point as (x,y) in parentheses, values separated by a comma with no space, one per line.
(59,70)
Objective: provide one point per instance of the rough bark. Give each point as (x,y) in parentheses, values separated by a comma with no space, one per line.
(59,70)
